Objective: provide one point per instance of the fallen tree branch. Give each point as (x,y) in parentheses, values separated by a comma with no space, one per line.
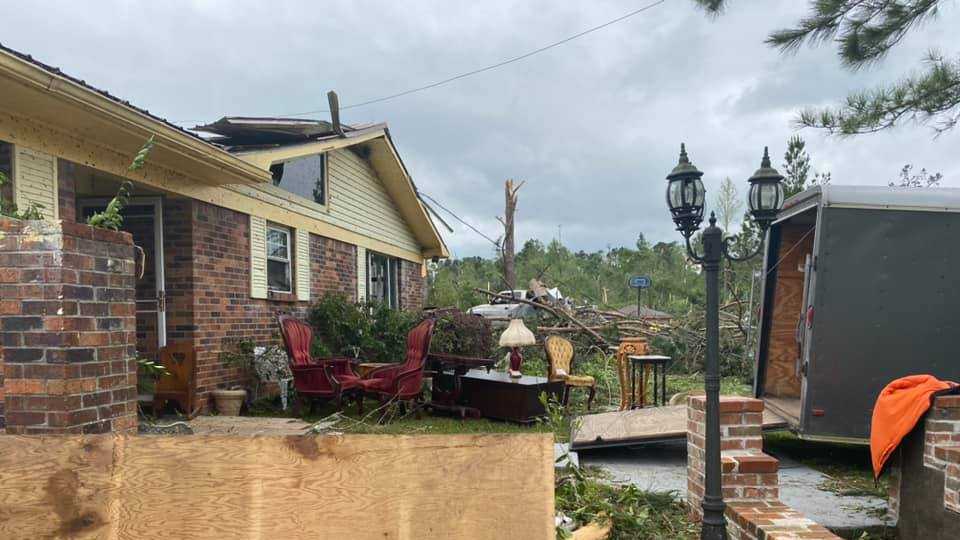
(555,312)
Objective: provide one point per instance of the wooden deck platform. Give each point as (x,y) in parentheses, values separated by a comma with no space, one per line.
(641,426)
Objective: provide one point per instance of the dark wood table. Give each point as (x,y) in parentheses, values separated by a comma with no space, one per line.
(497,395)
(659,364)
(451,399)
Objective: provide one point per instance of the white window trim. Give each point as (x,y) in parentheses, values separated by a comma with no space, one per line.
(288,260)
(392,278)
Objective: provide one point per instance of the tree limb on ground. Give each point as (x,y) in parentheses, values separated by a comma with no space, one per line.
(555,312)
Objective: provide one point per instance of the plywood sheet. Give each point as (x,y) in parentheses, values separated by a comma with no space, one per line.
(653,424)
(783,353)
(357,487)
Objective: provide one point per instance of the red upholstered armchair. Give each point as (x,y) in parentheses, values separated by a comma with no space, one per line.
(402,382)
(325,378)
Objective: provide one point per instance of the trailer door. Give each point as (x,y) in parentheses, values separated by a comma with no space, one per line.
(805,328)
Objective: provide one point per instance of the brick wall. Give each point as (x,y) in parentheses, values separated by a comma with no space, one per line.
(749,478)
(771,520)
(925,475)
(222,311)
(333,267)
(748,473)
(413,286)
(67,328)
(178,268)
(206,252)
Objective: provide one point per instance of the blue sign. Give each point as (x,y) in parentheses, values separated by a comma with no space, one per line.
(641,282)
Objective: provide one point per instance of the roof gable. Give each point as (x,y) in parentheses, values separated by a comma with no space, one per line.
(272,140)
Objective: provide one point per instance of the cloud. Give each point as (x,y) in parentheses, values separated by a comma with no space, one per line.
(593,126)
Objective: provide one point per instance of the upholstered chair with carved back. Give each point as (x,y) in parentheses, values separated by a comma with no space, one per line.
(560,357)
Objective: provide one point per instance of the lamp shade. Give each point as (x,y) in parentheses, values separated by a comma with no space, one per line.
(517,335)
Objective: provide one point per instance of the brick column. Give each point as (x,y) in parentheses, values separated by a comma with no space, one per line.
(750,479)
(748,473)
(67,328)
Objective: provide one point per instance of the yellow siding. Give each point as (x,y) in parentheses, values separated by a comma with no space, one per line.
(35,181)
(358,202)
(302,256)
(258,257)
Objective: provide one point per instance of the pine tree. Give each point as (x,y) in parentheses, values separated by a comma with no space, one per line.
(796,172)
(864,32)
(796,168)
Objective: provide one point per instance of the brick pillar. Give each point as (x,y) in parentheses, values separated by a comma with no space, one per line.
(748,474)
(67,328)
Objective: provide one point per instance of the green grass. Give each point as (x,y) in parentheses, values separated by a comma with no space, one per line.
(397,424)
(587,495)
(729,386)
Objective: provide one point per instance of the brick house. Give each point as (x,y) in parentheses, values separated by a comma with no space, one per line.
(261,217)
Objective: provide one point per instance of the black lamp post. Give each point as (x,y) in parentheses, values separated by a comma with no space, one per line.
(685,197)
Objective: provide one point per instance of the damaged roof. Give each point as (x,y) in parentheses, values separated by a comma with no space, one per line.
(246,133)
(229,157)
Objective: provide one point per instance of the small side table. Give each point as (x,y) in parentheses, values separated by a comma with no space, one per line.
(659,364)
(364,368)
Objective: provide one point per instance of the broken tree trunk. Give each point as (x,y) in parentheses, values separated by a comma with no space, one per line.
(507,247)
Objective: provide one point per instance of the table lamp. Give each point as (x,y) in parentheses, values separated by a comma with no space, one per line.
(515,336)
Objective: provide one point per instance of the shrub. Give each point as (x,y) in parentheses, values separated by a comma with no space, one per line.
(373,332)
(460,333)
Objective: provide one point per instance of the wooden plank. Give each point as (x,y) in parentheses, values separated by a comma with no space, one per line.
(782,356)
(788,408)
(652,424)
(358,487)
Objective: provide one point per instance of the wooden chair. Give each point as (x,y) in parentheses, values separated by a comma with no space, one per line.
(560,357)
(402,382)
(315,378)
(630,346)
(180,386)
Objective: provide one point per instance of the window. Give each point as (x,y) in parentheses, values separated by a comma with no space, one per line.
(278,259)
(6,169)
(305,176)
(383,283)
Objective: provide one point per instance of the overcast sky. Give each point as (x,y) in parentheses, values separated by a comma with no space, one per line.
(593,125)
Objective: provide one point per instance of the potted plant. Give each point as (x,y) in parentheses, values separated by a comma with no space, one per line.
(229,401)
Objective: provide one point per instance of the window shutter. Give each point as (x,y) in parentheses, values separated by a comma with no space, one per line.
(35,181)
(361,274)
(302,258)
(258,257)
